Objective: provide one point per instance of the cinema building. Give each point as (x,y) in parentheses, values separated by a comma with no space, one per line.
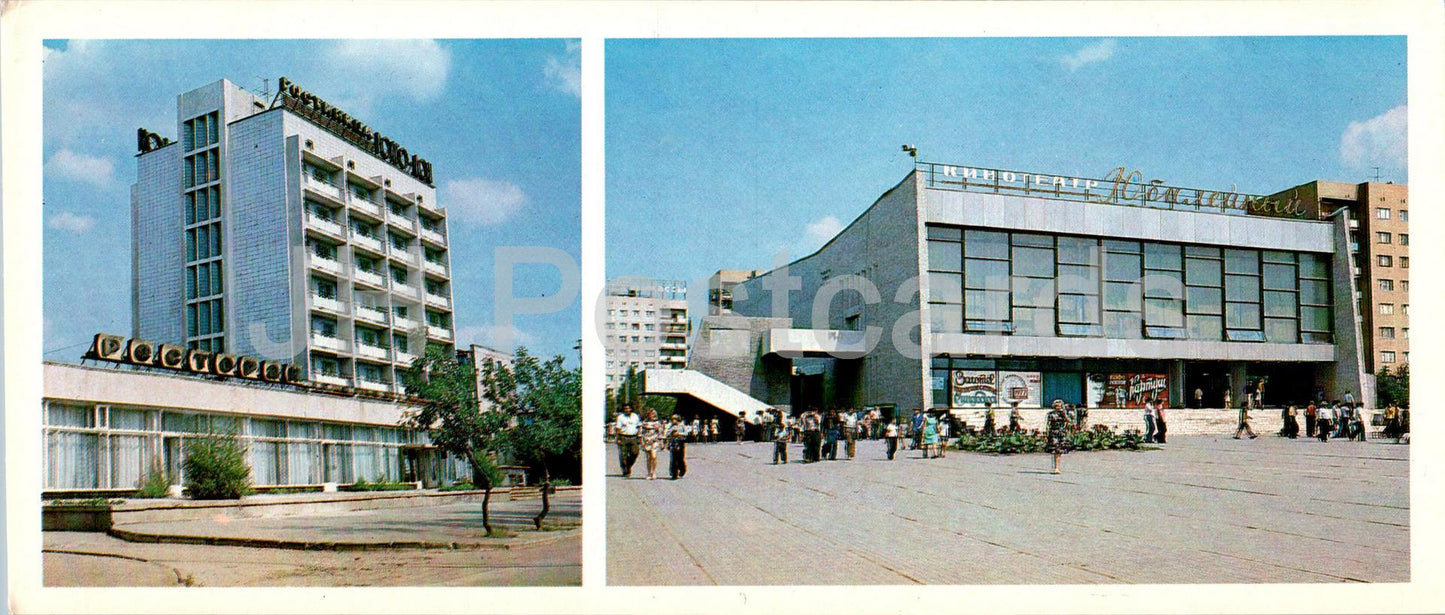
(963,286)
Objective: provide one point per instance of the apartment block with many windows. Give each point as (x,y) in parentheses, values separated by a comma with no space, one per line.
(647,326)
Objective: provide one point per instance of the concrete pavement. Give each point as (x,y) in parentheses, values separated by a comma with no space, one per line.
(321,549)
(1202,509)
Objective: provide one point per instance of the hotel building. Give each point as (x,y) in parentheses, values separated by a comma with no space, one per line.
(646,328)
(962,286)
(287,230)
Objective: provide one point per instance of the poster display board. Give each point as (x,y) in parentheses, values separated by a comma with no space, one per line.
(1131,390)
(974,389)
(1026,388)
(1094,385)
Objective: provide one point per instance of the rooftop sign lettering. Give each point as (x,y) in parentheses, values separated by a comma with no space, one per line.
(1120,186)
(340,123)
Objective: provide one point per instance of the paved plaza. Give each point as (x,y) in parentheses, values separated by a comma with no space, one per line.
(527,557)
(1201,509)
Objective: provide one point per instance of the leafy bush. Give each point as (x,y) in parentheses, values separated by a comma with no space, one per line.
(461,485)
(155,484)
(216,468)
(362,485)
(1100,438)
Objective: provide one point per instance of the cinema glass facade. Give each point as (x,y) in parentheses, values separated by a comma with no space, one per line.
(1103,292)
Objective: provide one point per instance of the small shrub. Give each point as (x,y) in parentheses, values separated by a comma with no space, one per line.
(216,468)
(155,484)
(1100,438)
(461,485)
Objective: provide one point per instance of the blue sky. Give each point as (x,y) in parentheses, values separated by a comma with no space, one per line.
(722,153)
(498,119)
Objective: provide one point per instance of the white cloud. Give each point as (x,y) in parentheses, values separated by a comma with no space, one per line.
(565,73)
(96,170)
(820,231)
(504,338)
(66,221)
(1097,52)
(482,201)
(370,68)
(1378,141)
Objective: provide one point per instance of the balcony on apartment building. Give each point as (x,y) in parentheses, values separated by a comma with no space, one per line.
(332,379)
(372,351)
(439,332)
(329,304)
(370,243)
(436,267)
(327,342)
(437,300)
(320,188)
(322,263)
(370,313)
(369,278)
(325,226)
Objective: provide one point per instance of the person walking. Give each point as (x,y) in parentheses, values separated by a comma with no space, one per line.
(1342,419)
(850,433)
(1349,398)
(1311,411)
(677,434)
(1358,416)
(653,436)
(628,445)
(1324,415)
(1244,421)
(812,437)
(740,428)
(780,441)
(696,431)
(1057,443)
(1160,426)
(891,434)
(945,431)
(988,419)
(714,428)
(1291,422)
(930,435)
(916,429)
(1392,421)
(1149,416)
(1015,418)
(1198,397)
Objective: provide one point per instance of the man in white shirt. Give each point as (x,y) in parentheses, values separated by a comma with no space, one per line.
(628,424)
(850,431)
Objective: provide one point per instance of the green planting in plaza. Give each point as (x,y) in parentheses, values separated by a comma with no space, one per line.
(1100,438)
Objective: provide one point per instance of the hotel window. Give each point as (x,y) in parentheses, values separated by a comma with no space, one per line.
(1384,260)
(398,275)
(1281,297)
(397,209)
(1404,262)
(361,192)
(1405,285)
(1404,239)
(1387,333)
(1387,285)
(1387,356)
(1382,213)
(326,289)
(1404,215)
(1387,308)
(1123,290)
(1204,292)
(1382,237)
(322,326)
(1163,292)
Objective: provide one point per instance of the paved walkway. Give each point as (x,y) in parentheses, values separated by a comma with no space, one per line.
(1200,510)
(528,558)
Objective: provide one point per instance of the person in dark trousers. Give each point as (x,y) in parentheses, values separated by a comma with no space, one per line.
(1150,429)
(988,420)
(677,434)
(812,436)
(1244,421)
(832,425)
(891,433)
(1324,416)
(1358,427)
(917,430)
(740,428)
(1311,411)
(1015,418)
(629,443)
(780,441)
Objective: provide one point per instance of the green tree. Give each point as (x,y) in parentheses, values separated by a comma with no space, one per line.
(215,467)
(455,419)
(542,401)
(1393,388)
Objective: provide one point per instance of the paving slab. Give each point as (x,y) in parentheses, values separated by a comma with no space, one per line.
(1201,509)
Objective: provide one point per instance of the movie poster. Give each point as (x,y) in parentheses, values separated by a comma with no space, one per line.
(1130,390)
(1026,388)
(1094,389)
(973,389)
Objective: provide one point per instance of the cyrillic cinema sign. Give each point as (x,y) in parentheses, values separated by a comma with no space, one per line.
(1120,186)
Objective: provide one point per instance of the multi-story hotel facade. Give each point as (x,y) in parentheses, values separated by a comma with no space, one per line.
(647,326)
(962,286)
(287,230)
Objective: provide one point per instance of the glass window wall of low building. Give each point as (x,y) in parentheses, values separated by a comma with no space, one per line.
(1013,283)
(97,446)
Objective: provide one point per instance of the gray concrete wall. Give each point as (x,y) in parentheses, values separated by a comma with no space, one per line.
(729,350)
(1349,371)
(881,246)
(1144,223)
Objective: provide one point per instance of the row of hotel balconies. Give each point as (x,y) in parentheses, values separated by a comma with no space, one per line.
(375,245)
(376,280)
(337,196)
(322,341)
(372,314)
